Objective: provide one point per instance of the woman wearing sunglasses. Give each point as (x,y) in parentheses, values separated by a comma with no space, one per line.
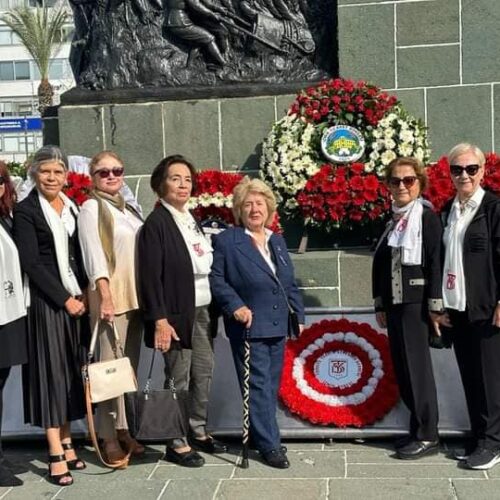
(471,294)
(407,293)
(108,229)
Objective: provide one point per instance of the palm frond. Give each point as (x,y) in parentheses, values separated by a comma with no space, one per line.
(39,30)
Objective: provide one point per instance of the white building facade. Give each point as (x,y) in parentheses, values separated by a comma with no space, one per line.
(20,127)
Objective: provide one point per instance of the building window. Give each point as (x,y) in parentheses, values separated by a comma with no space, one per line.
(22,70)
(6,70)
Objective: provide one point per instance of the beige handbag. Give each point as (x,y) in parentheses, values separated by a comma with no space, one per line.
(107,380)
(112,378)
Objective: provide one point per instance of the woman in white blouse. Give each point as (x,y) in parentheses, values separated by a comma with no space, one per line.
(174,263)
(108,229)
(471,295)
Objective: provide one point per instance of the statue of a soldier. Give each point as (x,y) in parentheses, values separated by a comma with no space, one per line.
(212,36)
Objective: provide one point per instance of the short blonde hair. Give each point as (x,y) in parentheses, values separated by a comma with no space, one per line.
(244,188)
(103,154)
(465,147)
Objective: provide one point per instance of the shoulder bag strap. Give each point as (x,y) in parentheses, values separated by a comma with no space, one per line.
(93,436)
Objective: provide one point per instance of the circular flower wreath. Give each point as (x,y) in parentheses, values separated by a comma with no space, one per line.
(213,197)
(441,188)
(292,155)
(357,359)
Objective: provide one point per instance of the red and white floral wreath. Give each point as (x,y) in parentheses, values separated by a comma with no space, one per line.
(339,372)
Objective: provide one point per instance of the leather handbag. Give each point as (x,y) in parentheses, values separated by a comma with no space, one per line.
(157,415)
(112,378)
(118,375)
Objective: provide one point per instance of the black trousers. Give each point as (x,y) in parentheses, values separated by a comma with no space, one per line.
(4,373)
(477,349)
(407,327)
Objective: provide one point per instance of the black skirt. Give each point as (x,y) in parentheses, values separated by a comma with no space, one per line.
(13,345)
(52,378)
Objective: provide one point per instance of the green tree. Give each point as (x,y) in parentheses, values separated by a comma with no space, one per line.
(39,30)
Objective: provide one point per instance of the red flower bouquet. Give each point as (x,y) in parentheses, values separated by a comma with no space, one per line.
(342,196)
(77,187)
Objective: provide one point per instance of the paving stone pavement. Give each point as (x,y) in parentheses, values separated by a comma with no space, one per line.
(325,469)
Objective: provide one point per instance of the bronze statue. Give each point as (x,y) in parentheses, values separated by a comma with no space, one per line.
(172,43)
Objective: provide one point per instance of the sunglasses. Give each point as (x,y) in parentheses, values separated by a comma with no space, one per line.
(104,172)
(407,181)
(2,180)
(457,170)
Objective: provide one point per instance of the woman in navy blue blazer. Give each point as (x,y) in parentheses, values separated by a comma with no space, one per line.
(253,282)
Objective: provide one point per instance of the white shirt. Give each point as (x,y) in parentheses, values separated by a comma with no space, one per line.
(126,226)
(454,292)
(265,252)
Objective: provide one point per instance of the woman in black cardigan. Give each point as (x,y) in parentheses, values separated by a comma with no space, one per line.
(471,295)
(174,262)
(46,235)
(407,293)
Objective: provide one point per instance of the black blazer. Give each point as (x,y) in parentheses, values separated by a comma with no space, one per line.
(37,252)
(481,258)
(165,277)
(419,282)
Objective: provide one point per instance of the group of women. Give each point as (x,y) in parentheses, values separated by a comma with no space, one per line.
(442,276)
(101,268)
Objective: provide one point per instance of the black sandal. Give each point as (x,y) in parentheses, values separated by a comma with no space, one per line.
(56,479)
(76,463)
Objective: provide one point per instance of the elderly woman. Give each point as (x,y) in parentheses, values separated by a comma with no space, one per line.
(13,346)
(174,262)
(407,292)
(108,230)
(253,282)
(471,294)
(45,232)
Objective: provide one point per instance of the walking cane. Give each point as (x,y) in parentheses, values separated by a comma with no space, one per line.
(246,400)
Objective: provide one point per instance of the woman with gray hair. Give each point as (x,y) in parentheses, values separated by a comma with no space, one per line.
(471,295)
(252,281)
(46,235)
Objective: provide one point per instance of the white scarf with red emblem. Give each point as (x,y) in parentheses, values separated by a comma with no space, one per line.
(407,232)
(454,295)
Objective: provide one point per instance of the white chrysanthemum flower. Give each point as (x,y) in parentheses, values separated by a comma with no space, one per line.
(389,132)
(389,144)
(405,149)
(407,136)
(387,157)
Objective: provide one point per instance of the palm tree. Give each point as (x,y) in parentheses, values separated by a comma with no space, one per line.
(39,30)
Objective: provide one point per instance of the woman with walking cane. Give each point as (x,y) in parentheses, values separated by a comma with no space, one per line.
(252,280)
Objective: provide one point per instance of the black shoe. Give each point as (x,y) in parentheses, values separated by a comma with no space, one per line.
(276,458)
(209,445)
(417,449)
(186,459)
(399,443)
(8,479)
(14,467)
(483,459)
(463,453)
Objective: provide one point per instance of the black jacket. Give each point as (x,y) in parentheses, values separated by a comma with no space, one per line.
(420,283)
(481,256)
(165,277)
(37,251)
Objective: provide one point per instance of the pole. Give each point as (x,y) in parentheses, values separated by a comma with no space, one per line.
(246,401)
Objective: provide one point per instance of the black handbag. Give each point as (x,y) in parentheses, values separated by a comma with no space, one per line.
(293,318)
(157,415)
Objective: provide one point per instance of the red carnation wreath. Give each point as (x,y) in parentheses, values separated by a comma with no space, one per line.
(339,372)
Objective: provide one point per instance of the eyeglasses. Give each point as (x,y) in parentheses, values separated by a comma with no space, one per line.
(457,170)
(2,180)
(407,181)
(104,172)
